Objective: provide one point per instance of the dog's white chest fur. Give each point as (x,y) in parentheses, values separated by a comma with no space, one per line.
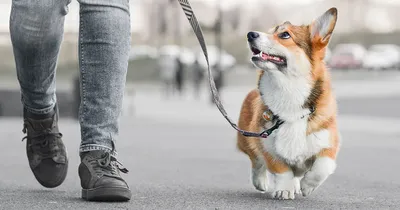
(290,142)
(285,97)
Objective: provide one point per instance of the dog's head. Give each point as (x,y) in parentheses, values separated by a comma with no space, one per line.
(292,50)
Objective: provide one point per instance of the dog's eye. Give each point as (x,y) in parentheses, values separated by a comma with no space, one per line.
(284,35)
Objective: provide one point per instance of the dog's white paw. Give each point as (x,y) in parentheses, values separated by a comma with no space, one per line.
(307,187)
(283,194)
(284,186)
(260,182)
(322,168)
(259,178)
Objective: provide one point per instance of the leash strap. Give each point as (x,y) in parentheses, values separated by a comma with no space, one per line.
(187,9)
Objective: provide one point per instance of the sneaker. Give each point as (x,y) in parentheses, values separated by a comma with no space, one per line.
(101,179)
(46,152)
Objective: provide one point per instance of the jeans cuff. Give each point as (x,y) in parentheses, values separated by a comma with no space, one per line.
(39,111)
(94,147)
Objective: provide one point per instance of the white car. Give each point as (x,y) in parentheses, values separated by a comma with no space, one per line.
(347,56)
(142,51)
(172,50)
(382,56)
(128,105)
(357,49)
(185,54)
(328,55)
(227,60)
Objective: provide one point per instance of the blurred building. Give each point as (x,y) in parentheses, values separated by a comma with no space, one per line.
(154,17)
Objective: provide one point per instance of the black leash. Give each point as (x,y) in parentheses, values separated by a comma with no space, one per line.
(199,34)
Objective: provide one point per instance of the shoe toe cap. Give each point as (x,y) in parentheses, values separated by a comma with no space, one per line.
(113,182)
(51,174)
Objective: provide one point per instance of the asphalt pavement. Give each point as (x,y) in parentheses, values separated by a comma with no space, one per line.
(181,155)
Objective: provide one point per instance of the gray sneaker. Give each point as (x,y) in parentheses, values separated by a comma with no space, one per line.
(46,152)
(101,179)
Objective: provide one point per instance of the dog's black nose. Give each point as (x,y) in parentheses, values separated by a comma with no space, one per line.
(251,36)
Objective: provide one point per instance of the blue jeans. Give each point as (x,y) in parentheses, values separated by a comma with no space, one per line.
(37,28)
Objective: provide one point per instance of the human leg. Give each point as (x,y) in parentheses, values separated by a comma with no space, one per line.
(104,43)
(36,29)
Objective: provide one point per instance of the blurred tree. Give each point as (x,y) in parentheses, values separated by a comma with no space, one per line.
(357,10)
(217,68)
(236,19)
(177,21)
(162,23)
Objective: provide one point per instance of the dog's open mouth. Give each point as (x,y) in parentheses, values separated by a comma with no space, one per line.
(259,55)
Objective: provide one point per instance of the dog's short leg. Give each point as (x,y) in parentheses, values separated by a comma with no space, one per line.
(319,172)
(259,174)
(282,178)
(283,185)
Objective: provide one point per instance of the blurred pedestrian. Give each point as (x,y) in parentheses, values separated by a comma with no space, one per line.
(198,76)
(179,76)
(36,29)
(167,68)
(218,75)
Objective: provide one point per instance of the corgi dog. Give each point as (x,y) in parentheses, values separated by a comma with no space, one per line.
(294,87)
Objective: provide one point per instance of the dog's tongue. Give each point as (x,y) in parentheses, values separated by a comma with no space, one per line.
(270,57)
(264,56)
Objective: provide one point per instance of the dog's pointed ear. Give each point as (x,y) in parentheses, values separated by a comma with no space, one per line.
(321,28)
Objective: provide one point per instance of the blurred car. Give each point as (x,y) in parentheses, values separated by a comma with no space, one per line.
(347,56)
(382,56)
(172,50)
(227,60)
(142,51)
(328,55)
(185,54)
(128,105)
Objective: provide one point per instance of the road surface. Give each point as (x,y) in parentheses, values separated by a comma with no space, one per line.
(181,155)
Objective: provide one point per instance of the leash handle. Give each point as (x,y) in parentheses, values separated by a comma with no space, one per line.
(187,9)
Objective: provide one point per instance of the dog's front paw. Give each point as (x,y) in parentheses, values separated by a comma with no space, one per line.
(283,194)
(322,168)
(284,188)
(307,187)
(259,179)
(260,183)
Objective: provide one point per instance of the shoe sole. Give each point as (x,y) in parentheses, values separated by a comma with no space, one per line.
(107,194)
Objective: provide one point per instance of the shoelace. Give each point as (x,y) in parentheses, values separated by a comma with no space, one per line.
(111,164)
(42,140)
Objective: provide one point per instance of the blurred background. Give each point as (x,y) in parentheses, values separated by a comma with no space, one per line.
(165,53)
(181,150)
